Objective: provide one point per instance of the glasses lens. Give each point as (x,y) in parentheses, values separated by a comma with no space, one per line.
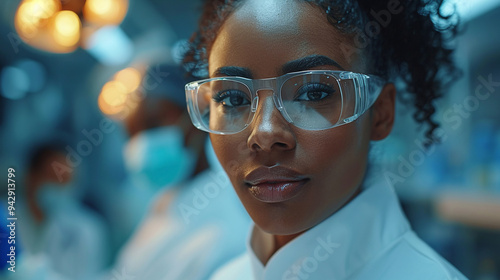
(224,105)
(313,101)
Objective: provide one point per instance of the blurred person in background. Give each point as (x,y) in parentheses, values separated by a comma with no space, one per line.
(194,223)
(61,238)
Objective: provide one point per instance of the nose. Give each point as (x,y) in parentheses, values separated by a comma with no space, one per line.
(270,131)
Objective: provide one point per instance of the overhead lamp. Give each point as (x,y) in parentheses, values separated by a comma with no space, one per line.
(116,98)
(49,25)
(105,12)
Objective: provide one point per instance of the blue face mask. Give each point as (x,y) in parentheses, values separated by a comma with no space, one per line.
(157,158)
(53,197)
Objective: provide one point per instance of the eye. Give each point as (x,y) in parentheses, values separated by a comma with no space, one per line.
(314,92)
(232,98)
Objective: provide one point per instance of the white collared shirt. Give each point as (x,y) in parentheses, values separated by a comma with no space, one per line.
(369,238)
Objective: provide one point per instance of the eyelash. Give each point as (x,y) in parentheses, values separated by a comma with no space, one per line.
(315,88)
(220,96)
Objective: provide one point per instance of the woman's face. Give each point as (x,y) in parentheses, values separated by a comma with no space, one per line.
(288,179)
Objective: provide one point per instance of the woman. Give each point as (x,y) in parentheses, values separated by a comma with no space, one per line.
(297,92)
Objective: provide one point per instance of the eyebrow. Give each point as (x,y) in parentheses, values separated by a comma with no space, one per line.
(301,64)
(233,71)
(309,62)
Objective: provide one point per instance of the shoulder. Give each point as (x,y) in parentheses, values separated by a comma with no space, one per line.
(410,258)
(238,268)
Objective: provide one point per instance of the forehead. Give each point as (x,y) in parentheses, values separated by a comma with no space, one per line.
(262,35)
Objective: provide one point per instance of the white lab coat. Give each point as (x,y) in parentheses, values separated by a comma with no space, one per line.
(369,238)
(70,244)
(189,232)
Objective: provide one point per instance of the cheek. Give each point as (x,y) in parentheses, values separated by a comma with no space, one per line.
(338,155)
(337,158)
(230,150)
(233,153)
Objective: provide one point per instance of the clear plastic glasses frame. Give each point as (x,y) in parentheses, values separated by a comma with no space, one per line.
(310,100)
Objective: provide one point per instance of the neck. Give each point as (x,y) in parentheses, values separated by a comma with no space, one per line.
(282,240)
(265,245)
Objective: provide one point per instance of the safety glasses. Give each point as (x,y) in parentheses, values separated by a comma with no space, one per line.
(310,100)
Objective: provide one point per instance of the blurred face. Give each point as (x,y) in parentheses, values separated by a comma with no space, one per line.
(152,113)
(288,179)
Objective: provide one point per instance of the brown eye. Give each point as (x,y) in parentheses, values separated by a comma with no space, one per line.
(232,98)
(314,92)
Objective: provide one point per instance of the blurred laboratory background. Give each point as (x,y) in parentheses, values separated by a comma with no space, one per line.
(71,69)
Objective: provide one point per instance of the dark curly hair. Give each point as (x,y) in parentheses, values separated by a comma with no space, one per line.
(414,48)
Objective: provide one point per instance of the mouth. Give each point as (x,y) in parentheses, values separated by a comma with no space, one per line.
(275,184)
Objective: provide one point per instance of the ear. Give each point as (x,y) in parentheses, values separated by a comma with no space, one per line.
(383,113)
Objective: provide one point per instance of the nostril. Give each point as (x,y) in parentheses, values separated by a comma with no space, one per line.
(269,146)
(281,145)
(256,147)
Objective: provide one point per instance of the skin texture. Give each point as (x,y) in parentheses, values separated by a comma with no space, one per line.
(262,36)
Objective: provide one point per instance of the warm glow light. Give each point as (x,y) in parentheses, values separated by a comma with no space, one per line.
(66,28)
(105,12)
(113,98)
(106,108)
(44,9)
(67,23)
(130,78)
(117,96)
(33,15)
(42,24)
(101,7)
(114,93)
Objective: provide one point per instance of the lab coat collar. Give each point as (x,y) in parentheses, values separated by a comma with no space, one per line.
(341,244)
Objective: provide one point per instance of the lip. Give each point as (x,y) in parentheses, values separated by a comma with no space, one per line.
(275,184)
